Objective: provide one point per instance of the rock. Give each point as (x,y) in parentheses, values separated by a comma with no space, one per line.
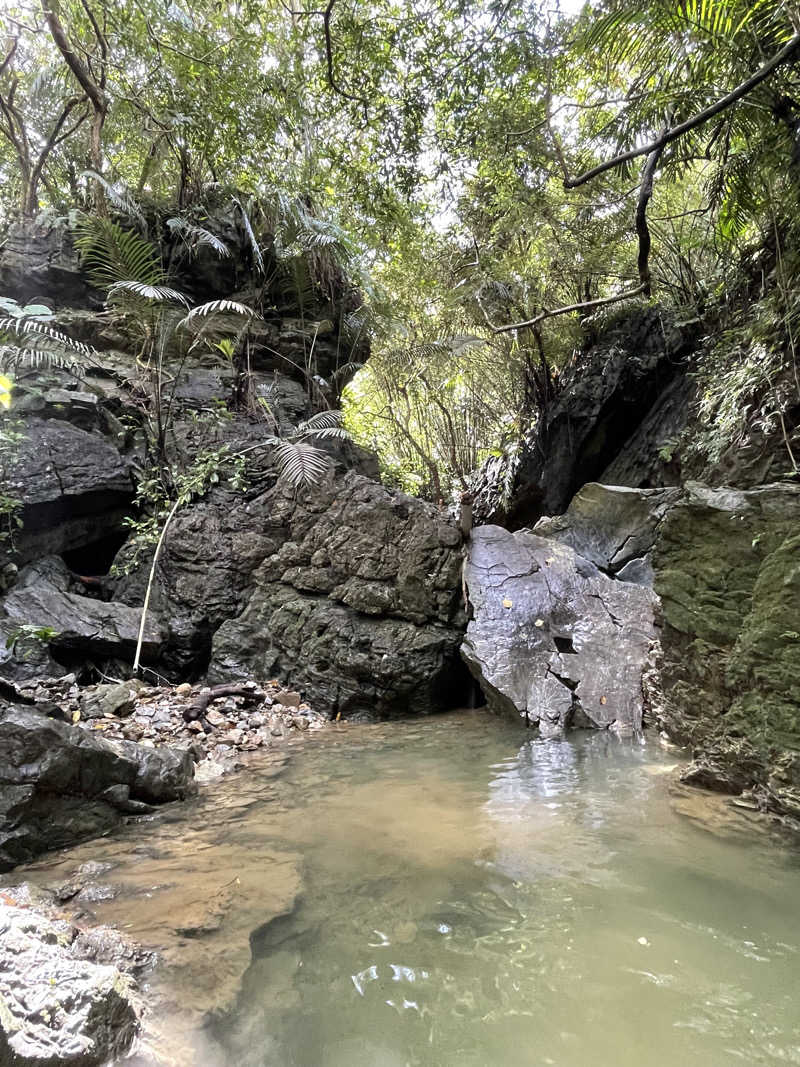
(54,780)
(74,485)
(55,1009)
(183,690)
(79,624)
(216,718)
(620,402)
(288,698)
(724,562)
(359,605)
(613,526)
(38,262)
(117,698)
(552,638)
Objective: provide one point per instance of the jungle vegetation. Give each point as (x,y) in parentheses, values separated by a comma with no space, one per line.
(488,174)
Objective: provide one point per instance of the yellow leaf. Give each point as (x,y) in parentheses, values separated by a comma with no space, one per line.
(76,716)
(539,623)
(6,385)
(507,604)
(603,700)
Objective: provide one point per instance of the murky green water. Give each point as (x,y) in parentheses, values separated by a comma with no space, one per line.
(451,893)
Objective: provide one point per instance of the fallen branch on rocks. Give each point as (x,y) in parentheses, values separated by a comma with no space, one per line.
(197,710)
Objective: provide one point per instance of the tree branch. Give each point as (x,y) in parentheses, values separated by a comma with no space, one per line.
(665,138)
(71,58)
(545,314)
(326,23)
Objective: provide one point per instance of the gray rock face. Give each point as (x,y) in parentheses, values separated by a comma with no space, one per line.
(57,782)
(552,638)
(38,262)
(74,486)
(613,526)
(618,405)
(81,624)
(351,592)
(57,1010)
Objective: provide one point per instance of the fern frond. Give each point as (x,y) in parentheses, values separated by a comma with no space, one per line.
(161,293)
(111,254)
(258,259)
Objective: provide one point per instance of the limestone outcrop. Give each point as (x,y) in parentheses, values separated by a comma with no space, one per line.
(551,637)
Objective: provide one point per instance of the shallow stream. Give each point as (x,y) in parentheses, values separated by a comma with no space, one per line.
(453,893)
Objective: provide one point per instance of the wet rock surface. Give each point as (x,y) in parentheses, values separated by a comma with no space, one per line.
(723,679)
(59,784)
(551,637)
(57,1006)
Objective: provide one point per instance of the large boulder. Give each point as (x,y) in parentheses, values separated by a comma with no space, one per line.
(359,606)
(350,591)
(57,1010)
(725,564)
(74,486)
(60,784)
(77,625)
(553,639)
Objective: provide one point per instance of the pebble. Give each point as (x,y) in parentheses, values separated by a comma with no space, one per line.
(235,726)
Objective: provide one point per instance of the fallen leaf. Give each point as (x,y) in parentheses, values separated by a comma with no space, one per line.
(76,715)
(507,603)
(539,623)
(603,700)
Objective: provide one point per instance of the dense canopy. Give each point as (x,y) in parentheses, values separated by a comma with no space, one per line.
(476,168)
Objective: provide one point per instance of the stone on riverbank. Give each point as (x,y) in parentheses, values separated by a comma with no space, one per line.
(57,1010)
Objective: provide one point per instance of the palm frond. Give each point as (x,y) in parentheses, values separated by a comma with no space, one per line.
(323,420)
(328,433)
(198,235)
(22,327)
(42,358)
(258,258)
(161,293)
(300,464)
(122,199)
(216,307)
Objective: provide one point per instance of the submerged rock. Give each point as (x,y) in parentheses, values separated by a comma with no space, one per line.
(57,1010)
(552,638)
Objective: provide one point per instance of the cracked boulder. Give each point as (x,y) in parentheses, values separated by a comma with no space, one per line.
(552,638)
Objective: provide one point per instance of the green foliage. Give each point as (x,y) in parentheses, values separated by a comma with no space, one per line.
(112,255)
(29,632)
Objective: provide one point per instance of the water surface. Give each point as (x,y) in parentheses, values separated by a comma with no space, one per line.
(454,893)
